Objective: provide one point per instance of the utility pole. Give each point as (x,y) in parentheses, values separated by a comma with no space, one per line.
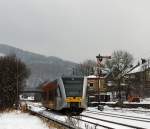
(17,87)
(99,72)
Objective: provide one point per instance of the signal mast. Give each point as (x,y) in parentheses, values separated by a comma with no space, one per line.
(99,71)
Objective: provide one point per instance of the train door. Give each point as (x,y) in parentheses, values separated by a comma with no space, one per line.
(52,98)
(59,101)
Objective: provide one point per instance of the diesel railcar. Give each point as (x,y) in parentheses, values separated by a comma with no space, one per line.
(66,94)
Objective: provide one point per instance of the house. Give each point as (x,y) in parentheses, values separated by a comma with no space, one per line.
(139,80)
(97,89)
(116,87)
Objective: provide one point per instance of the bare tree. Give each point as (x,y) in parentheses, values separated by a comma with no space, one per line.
(85,68)
(121,60)
(119,64)
(13,73)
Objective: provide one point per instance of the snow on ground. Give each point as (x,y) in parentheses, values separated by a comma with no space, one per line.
(18,120)
(50,114)
(145,101)
(140,112)
(142,101)
(136,112)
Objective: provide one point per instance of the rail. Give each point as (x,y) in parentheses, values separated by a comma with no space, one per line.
(60,123)
(66,125)
(120,116)
(117,123)
(95,124)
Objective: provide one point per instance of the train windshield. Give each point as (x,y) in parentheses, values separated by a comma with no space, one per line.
(73,86)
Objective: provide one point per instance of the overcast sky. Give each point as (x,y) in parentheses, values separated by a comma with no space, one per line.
(76,30)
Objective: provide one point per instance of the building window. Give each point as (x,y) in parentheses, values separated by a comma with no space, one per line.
(91,84)
(147,75)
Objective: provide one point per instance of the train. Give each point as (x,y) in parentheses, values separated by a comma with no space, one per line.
(66,94)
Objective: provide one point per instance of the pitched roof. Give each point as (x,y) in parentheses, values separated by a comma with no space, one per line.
(140,68)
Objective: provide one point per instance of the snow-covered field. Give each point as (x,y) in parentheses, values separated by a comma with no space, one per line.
(18,120)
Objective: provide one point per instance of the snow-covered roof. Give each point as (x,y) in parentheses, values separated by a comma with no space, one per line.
(140,68)
(136,70)
(91,76)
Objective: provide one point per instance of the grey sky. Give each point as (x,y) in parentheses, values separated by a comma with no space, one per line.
(76,29)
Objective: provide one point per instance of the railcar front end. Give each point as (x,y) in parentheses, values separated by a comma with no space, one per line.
(75,94)
(66,94)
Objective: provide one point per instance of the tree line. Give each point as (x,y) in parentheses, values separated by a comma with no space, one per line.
(119,62)
(116,69)
(13,73)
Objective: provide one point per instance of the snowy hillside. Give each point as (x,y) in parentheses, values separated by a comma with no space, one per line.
(42,68)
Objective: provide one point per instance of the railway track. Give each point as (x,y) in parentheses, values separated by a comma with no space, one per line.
(131,121)
(86,121)
(141,111)
(113,124)
(48,115)
(134,110)
(120,116)
(56,122)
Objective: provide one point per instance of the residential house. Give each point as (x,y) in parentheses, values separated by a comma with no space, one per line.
(139,80)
